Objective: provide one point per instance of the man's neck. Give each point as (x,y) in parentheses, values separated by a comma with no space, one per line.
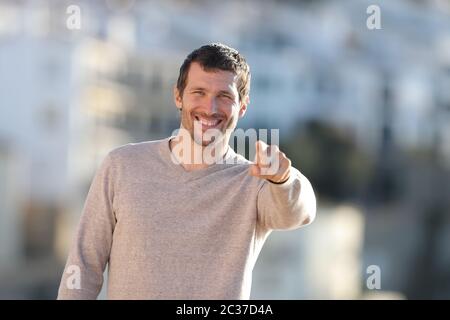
(192,156)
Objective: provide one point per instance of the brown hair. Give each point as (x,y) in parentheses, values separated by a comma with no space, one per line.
(218,56)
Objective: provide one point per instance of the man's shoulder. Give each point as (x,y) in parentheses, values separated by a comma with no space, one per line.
(135,150)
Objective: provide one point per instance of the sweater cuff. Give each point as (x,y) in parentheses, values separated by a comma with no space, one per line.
(278,182)
(285,184)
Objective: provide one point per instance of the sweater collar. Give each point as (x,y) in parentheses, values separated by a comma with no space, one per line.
(178,171)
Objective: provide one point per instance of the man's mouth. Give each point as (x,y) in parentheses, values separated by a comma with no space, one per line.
(208,123)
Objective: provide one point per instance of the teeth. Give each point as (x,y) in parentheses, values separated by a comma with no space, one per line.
(209,123)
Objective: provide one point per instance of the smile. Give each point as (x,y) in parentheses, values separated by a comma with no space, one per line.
(208,122)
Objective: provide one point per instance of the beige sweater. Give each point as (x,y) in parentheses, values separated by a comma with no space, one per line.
(166,233)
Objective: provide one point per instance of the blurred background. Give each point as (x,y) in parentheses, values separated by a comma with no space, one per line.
(364,114)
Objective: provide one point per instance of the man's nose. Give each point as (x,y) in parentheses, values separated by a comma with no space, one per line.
(211,105)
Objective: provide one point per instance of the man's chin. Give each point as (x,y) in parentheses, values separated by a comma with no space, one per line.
(203,143)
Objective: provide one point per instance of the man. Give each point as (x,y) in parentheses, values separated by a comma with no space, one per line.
(172,226)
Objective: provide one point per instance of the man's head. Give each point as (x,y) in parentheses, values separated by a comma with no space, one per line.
(212,90)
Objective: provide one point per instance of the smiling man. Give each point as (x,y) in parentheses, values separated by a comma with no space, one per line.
(170,225)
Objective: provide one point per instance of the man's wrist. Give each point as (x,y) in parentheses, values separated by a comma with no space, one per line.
(280,182)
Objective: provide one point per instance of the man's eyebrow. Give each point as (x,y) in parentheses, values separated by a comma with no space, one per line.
(229,92)
(197,88)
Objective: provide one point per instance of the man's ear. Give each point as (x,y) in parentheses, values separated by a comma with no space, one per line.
(243,107)
(177,97)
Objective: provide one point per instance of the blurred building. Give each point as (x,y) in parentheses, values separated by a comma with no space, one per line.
(320,261)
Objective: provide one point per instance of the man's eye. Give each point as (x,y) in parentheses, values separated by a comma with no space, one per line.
(198,92)
(226,96)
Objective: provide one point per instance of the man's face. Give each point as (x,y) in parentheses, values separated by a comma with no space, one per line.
(210,100)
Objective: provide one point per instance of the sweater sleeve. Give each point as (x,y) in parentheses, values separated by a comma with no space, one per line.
(89,254)
(286,206)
